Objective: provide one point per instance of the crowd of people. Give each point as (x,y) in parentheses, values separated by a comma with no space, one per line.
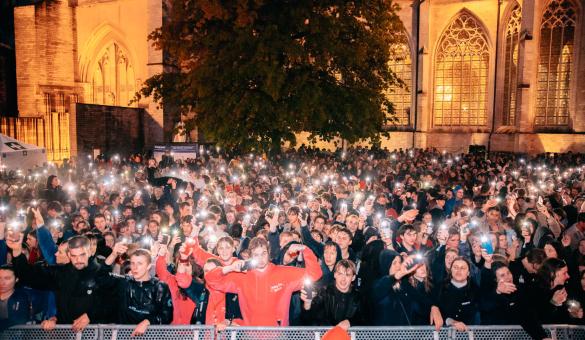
(308,237)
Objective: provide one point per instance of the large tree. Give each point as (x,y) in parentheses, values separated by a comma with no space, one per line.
(257,72)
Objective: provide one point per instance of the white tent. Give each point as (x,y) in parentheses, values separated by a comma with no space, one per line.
(16,155)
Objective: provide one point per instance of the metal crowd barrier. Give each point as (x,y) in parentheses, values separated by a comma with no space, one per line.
(109,332)
(556,332)
(123,332)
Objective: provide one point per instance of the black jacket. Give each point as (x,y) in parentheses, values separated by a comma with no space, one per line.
(55,194)
(399,303)
(459,304)
(510,309)
(76,291)
(330,306)
(522,277)
(540,298)
(138,301)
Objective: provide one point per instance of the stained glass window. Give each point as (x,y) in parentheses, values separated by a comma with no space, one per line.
(461,75)
(511,66)
(557,35)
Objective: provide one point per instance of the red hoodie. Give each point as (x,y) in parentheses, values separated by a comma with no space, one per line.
(265,295)
(215,312)
(183,306)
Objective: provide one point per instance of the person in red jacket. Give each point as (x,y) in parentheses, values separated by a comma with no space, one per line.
(216,307)
(183,307)
(225,249)
(265,290)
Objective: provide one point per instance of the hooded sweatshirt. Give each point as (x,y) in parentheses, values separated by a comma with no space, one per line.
(183,306)
(265,295)
(216,304)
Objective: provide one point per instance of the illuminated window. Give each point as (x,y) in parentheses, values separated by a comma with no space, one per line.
(400,96)
(511,66)
(557,35)
(113,80)
(461,71)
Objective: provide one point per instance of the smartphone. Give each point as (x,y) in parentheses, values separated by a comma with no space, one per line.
(308,288)
(418,258)
(249,264)
(385,229)
(486,243)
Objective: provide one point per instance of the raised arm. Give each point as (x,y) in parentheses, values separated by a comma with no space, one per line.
(227,279)
(312,270)
(46,244)
(37,276)
(308,240)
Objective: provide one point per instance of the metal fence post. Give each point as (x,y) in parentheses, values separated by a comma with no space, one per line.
(317,336)
(100,335)
(450,333)
(470,335)
(234,333)
(196,334)
(352,335)
(553,333)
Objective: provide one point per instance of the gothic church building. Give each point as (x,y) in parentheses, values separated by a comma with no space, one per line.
(508,74)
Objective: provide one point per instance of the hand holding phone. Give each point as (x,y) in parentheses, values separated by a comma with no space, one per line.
(486,244)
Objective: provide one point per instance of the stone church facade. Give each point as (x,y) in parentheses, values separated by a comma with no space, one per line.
(92,52)
(505,74)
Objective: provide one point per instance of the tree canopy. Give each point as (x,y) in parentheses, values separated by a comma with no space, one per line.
(257,72)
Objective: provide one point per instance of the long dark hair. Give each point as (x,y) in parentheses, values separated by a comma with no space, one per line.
(428,281)
(548,271)
(50,182)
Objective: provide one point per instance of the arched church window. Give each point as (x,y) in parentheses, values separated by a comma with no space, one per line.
(401,64)
(557,36)
(461,74)
(113,79)
(512,37)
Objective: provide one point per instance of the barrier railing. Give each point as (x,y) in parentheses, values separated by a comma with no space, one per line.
(556,332)
(124,332)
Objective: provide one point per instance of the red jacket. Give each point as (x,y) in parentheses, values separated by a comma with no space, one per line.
(183,306)
(215,312)
(265,295)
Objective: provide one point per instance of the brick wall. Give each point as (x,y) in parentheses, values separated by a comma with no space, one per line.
(108,128)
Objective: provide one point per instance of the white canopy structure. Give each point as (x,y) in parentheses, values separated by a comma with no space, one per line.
(15,155)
